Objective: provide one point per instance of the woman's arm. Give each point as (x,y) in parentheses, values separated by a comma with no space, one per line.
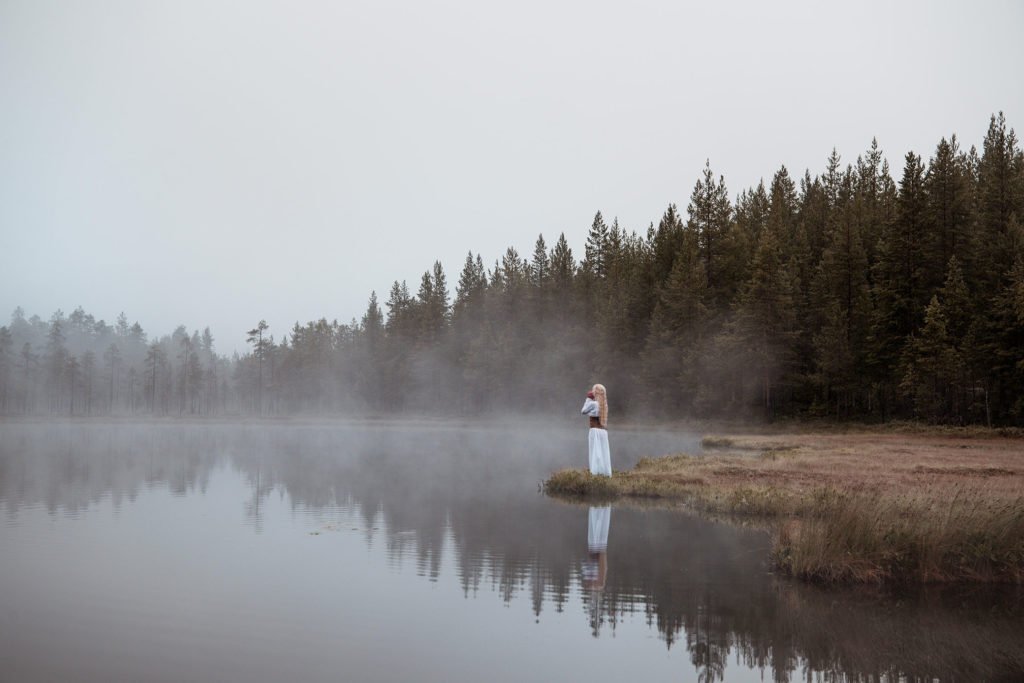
(590,408)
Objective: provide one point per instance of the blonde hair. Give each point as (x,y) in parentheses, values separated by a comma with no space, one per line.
(601,396)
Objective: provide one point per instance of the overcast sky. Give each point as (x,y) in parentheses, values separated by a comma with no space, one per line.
(209,163)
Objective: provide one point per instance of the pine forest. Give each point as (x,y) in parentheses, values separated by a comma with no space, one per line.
(855,293)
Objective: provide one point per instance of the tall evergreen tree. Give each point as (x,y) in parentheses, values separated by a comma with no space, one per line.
(766,320)
(871,184)
(6,367)
(999,197)
(56,361)
(540,266)
(931,366)
(835,371)
(710,214)
(259,351)
(594,262)
(671,351)
(947,188)
(842,271)
(112,359)
(74,374)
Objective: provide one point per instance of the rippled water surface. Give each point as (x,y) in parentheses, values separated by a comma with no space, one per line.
(417,551)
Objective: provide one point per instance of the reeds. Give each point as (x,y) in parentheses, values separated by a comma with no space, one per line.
(857,510)
(921,536)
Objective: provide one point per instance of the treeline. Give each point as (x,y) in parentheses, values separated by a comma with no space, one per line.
(847,294)
(77,365)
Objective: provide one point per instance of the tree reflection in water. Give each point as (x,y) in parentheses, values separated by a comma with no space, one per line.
(701,584)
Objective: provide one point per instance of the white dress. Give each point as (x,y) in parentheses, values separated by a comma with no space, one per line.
(597,439)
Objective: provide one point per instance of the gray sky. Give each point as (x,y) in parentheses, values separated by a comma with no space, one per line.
(217,163)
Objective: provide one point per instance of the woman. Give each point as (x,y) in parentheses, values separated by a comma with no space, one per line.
(596,408)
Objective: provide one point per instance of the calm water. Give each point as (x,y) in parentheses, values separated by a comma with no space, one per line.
(398,552)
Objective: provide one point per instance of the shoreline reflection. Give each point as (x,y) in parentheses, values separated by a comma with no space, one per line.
(701,585)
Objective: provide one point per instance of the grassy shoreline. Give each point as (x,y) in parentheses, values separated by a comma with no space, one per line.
(857,507)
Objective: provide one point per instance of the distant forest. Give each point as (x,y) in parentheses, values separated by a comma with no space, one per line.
(844,295)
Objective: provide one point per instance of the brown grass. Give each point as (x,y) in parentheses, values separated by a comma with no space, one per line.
(910,506)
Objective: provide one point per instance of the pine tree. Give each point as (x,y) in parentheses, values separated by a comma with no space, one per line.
(998,198)
(373,322)
(562,264)
(782,207)
(931,366)
(710,214)
(956,301)
(948,213)
(432,306)
(900,272)
(871,179)
(132,376)
(121,327)
(6,365)
(594,262)
(667,242)
(540,266)
(677,323)
(813,222)
(835,361)
(563,269)
(470,288)
(833,180)
(259,346)
(56,360)
(206,344)
(194,376)
(840,276)
(842,272)
(440,302)
(899,283)
(88,380)
(1000,329)
(765,319)
(29,366)
(399,305)
(752,207)
(112,358)
(73,372)
(1017,289)
(514,271)
(957,307)
(400,329)
(186,355)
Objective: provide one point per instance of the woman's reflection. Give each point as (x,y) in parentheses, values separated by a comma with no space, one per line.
(595,567)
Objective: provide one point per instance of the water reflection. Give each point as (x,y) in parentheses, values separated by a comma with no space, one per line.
(704,588)
(595,567)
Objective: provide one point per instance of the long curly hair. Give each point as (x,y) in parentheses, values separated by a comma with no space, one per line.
(601,396)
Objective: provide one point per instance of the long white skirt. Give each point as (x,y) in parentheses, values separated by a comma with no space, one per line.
(600,454)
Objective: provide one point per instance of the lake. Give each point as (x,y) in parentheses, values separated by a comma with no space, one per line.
(418,550)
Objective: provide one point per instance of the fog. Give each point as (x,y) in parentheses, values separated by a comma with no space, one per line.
(845,294)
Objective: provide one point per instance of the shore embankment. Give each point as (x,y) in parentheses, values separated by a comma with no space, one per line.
(886,506)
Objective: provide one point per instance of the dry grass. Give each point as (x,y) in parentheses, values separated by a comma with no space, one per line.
(910,506)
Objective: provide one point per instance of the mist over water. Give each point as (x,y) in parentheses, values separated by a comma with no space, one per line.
(393,550)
